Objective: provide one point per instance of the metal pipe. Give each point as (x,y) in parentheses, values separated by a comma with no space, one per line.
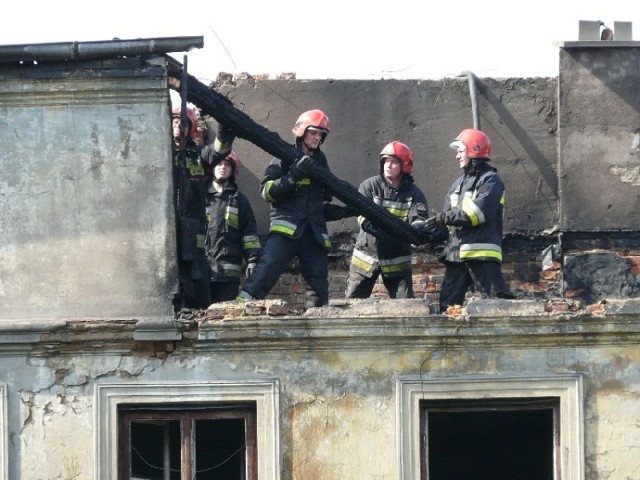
(473,93)
(101,49)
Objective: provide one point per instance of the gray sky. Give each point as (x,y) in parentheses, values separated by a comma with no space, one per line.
(341,39)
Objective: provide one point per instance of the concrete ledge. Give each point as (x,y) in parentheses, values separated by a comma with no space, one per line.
(631,305)
(501,307)
(157,330)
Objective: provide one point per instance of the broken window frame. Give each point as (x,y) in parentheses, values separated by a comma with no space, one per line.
(110,396)
(187,416)
(567,388)
(481,405)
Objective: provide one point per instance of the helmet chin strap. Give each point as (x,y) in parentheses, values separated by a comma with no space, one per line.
(473,164)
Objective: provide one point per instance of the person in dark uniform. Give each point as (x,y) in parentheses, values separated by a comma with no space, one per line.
(190,195)
(231,228)
(473,212)
(297,222)
(377,252)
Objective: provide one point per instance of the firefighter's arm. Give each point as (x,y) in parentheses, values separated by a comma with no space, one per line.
(224,140)
(251,247)
(277,185)
(476,210)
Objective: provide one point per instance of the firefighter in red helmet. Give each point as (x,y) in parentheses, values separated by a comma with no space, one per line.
(190,185)
(376,251)
(193,164)
(231,234)
(297,223)
(192,133)
(473,214)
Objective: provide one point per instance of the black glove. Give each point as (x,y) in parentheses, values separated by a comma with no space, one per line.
(332,212)
(300,168)
(430,230)
(224,139)
(436,229)
(336,212)
(380,234)
(225,134)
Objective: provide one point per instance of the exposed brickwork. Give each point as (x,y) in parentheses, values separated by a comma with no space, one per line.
(522,268)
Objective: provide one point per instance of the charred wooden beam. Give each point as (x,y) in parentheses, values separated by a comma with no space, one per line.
(222,109)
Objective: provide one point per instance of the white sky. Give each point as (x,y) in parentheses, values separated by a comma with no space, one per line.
(341,39)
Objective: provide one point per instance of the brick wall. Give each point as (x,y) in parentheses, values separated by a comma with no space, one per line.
(522,269)
(589,268)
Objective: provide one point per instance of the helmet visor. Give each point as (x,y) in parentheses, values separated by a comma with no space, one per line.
(457,144)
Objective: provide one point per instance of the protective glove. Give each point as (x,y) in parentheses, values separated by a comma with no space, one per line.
(251,267)
(337,212)
(380,234)
(332,211)
(300,169)
(224,139)
(436,228)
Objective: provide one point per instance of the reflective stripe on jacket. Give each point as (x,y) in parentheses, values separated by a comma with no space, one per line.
(296,205)
(390,254)
(231,233)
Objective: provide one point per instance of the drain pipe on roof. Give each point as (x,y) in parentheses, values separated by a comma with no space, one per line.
(38,52)
(473,93)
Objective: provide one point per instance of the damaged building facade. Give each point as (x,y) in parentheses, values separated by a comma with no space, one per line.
(100,378)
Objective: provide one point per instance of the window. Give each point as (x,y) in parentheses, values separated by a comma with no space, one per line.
(470,413)
(173,442)
(155,429)
(505,439)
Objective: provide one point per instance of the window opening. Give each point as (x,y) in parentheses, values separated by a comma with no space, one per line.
(187,442)
(494,439)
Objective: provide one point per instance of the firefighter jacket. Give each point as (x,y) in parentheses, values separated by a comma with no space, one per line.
(231,233)
(190,194)
(375,249)
(473,211)
(296,206)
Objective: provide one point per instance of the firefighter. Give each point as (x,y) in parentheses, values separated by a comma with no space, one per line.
(297,223)
(376,251)
(190,197)
(473,213)
(231,228)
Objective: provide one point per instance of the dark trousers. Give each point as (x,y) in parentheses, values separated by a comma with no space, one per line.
(194,281)
(361,286)
(224,291)
(486,276)
(278,251)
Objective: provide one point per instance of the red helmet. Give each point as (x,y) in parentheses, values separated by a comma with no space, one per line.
(476,142)
(193,120)
(314,119)
(401,152)
(231,157)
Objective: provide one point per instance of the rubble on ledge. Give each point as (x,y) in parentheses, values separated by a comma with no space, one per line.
(382,307)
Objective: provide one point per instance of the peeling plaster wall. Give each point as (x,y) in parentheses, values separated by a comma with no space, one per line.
(338,378)
(599,125)
(86,192)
